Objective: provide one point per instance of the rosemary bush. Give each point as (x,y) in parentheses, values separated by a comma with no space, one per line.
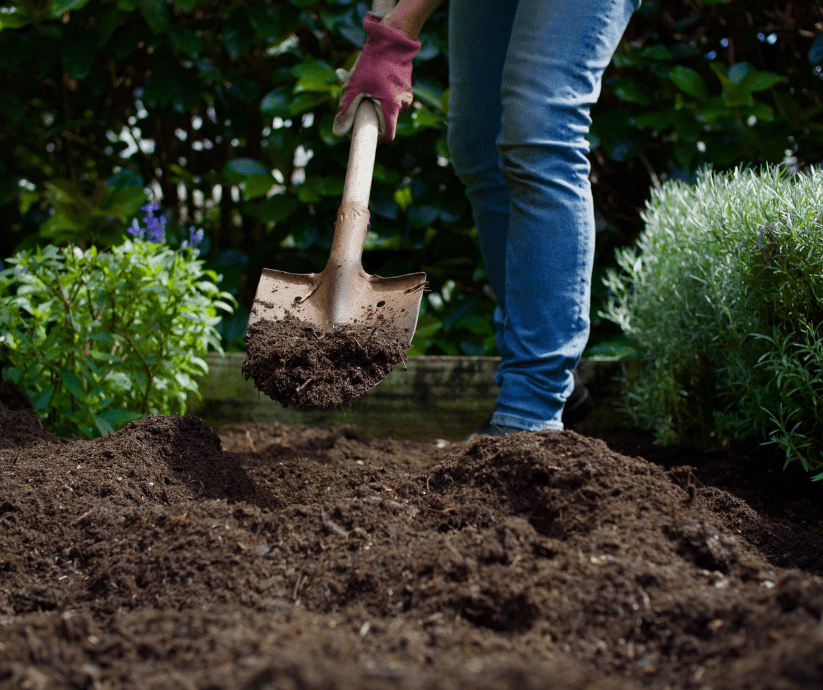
(723,297)
(97,339)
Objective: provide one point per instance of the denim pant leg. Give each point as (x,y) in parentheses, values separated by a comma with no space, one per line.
(523,75)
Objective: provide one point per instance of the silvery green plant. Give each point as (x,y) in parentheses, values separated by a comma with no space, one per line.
(723,296)
(99,338)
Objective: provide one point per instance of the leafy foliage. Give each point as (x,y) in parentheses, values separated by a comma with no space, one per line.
(97,339)
(224,110)
(723,296)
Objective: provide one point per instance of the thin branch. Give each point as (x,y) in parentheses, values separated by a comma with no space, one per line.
(649,169)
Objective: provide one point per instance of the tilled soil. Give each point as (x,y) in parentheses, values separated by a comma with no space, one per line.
(296,364)
(166,556)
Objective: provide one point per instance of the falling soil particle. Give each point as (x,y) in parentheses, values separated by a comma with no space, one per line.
(296,364)
(273,556)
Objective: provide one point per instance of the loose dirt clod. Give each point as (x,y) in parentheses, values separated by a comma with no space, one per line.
(295,364)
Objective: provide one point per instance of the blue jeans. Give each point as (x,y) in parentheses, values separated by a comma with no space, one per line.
(523,74)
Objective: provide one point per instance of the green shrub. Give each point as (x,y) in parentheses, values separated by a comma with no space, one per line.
(97,339)
(723,296)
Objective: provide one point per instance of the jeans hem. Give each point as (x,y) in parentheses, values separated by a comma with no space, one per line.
(525,424)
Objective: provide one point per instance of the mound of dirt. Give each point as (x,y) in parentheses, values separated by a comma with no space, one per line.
(295,364)
(20,428)
(316,558)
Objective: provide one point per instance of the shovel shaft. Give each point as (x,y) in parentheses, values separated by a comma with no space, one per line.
(345,259)
(353,214)
(380,8)
(357,187)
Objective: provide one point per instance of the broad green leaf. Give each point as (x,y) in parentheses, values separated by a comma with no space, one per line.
(277,103)
(305,102)
(266,22)
(14,20)
(426,119)
(238,169)
(103,426)
(632,91)
(185,40)
(311,191)
(60,7)
(51,339)
(688,81)
(106,357)
(656,52)
(403,197)
(739,71)
(422,215)
(760,81)
(615,349)
(429,93)
(73,384)
(41,401)
(732,93)
(256,186)
(316,83)
(116,416)
(275,209)
(125,178)
(156,14)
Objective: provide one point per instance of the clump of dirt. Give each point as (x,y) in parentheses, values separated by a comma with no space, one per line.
(280,556)
(294,363)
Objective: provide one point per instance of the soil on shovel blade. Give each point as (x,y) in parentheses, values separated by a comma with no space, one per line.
(168,556)
(296,364)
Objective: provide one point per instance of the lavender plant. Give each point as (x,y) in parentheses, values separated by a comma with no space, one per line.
(97,339)
(723,296)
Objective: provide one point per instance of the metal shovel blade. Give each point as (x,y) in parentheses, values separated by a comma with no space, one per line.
(316,298)
(395,301)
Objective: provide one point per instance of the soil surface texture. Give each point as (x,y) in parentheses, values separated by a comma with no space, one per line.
(276,557)
(296,364)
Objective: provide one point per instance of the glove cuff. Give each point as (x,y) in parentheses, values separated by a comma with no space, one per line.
(388,38)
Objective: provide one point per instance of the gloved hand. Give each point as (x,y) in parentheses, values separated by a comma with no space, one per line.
(382,72)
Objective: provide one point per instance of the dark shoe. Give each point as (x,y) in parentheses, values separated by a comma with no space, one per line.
(501,430)
(579,404)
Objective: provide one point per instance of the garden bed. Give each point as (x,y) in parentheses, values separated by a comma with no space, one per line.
(277,556)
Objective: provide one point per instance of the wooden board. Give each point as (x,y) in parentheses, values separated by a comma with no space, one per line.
(436,397)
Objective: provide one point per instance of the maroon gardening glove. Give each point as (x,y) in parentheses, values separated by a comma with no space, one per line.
(381,72)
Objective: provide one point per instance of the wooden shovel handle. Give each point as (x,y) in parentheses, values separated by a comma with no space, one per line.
(380,8)
(357,187)
(353,216)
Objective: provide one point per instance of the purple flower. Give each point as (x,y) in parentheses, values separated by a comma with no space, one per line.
(194,241)
(136,230)
(155,230)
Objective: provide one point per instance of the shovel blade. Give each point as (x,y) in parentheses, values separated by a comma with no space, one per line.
(395,301)
(280,293)
(317,299)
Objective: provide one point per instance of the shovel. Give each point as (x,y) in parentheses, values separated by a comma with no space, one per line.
(343,293)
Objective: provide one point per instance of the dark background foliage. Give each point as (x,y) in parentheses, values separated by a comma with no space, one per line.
(223,111)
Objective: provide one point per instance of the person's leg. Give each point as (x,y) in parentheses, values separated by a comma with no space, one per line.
(557,53)
(479,32)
